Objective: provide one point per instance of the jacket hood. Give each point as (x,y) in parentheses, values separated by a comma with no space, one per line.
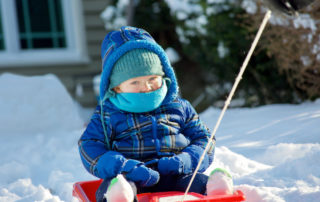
(117,43)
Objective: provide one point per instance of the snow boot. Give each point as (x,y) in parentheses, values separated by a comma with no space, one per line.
(120,190)
(219,183)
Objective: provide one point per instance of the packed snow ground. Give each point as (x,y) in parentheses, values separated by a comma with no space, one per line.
(272,151)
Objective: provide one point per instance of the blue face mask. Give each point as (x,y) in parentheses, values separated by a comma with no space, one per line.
(140,102)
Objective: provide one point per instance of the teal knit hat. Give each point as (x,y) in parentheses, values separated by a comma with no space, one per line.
(135,63)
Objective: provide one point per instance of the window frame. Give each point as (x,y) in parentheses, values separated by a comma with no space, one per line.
(74,53)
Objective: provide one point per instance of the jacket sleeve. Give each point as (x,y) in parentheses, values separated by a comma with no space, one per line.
(199,135)
(95,155)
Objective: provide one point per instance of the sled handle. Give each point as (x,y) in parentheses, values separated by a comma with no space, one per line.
(234,87)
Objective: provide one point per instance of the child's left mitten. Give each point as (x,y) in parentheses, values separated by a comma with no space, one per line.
(176,164)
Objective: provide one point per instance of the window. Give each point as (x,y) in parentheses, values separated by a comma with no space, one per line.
(40,24)
(41,32)
(1,33)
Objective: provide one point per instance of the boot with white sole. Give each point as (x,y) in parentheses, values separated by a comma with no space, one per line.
(219,183)
(120,190)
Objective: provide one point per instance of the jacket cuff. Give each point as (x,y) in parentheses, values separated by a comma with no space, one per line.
(186,163)
(195,153)
(129,165)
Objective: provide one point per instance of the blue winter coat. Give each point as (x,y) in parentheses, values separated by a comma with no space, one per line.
(170,129)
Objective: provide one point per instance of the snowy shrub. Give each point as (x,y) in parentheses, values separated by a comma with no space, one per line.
(295,44)
(211,39)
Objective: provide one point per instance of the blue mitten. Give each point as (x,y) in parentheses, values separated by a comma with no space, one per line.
(109,165)
(176,164)
(135,171)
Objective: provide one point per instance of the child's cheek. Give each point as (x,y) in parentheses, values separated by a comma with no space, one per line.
(129,89)
(134,90)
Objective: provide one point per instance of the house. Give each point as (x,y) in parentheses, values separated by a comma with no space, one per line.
(60,37)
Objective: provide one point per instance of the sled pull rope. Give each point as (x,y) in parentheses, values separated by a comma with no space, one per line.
(227,102)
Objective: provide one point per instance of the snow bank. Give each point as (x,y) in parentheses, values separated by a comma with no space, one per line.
(40,127)
(24,190)
(35,104)
(271,151)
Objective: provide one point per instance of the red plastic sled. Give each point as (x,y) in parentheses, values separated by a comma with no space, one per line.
(85,192)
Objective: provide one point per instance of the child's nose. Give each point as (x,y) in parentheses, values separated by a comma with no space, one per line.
(146,87)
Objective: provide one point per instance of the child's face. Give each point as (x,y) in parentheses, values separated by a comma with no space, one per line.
(142,84)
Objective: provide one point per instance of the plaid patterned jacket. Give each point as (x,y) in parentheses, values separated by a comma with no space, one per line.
(172,128)
(114,136)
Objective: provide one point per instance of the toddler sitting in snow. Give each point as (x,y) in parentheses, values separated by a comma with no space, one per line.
(142,129)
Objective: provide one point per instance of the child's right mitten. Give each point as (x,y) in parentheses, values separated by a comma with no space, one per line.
(140,174)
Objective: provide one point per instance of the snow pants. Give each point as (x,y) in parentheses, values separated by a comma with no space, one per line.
(166,183)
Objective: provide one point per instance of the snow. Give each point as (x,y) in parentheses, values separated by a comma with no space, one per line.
(271,151)
(306,61)
(223,51)
(250,6)
(113,15)
(305,21)
(173,55)
(183,8)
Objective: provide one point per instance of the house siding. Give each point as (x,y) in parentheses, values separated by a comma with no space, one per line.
(78,75)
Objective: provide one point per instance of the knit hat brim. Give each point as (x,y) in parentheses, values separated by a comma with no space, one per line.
(135,63)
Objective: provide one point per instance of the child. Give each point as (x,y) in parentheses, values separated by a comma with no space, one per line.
(141,128)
